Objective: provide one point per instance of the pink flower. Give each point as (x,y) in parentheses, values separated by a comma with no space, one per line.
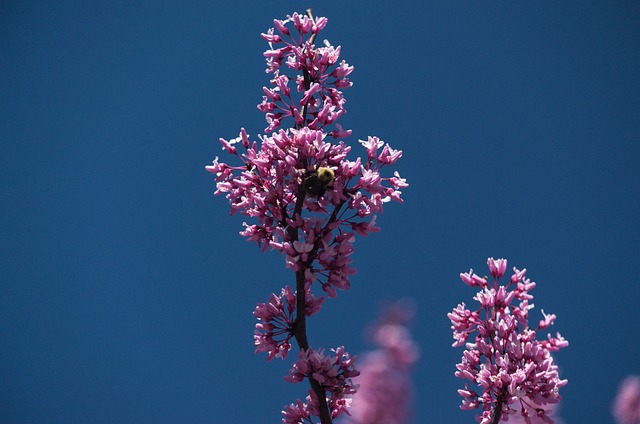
(626,405)
(497,267)
(297,413)
(514,373)
(472,279)
(372,145)
(389,156)
(364,228)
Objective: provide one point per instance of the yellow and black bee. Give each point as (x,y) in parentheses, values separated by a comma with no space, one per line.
(317,183)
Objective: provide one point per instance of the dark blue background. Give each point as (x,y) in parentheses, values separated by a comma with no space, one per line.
(125,291)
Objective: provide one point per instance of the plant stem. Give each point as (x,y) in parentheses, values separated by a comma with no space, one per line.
(303,343)
(310,15)
(301,316)
(497,412)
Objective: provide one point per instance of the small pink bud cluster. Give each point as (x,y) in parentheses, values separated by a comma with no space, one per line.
(276,322)
(626,405)
(386,392)
(334,373)
(515,372)
(318,77)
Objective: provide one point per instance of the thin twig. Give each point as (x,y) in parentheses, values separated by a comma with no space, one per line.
(313,35)
(497,412)
(300,330)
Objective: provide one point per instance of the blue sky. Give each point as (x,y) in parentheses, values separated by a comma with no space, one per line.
(126,292)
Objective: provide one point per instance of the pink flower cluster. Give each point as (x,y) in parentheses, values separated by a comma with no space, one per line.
(334,373)
(515,372)
(276,322)
(318,77)
(306,199)
(279,178)
(385,391)
(626,405)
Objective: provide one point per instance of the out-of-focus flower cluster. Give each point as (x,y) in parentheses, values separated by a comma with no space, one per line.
(385,392)
(514,373)
(334,373)
(626,405)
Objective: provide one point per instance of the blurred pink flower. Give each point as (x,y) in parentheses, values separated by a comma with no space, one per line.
(626,405)
(385,392)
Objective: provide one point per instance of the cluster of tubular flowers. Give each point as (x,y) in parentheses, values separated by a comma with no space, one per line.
(317,77)
(275,325)
(385,390)
(334,373)
(301,193)
(278,178)
(514,373)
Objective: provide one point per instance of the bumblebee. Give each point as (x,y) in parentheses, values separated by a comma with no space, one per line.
(316,184)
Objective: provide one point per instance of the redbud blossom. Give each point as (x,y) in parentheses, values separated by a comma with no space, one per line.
(334,373)
(275,322)
(306,199)
(272,183)
(514,373)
